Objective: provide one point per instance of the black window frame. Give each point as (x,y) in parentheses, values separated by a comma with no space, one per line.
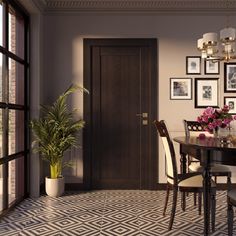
(6,106)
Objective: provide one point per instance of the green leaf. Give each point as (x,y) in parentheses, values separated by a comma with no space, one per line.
(57,130)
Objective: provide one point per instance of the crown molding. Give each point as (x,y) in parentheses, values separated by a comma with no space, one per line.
(40,4)
(175,6)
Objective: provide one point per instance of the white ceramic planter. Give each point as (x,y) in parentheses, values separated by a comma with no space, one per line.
(55,187)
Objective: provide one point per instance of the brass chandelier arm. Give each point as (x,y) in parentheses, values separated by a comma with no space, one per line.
(220,58)
(209,45)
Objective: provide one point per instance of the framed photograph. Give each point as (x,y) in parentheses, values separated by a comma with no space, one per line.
(206,92)
(180,88)
(212,68)
(193,65)
(230,77)
(231,103)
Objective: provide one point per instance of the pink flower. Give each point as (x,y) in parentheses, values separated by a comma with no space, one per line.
(212,118)
(225,108)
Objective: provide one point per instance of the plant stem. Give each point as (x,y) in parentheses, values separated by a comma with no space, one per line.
(54,171)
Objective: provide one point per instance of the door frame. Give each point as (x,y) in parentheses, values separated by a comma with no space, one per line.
(88,44)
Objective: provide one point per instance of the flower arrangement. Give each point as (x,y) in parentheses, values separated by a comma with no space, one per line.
(211,118)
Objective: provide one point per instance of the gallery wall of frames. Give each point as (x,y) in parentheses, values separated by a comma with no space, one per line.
(206,86)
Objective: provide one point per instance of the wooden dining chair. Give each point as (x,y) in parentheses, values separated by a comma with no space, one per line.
(194,128)
(188,182)
(231,199)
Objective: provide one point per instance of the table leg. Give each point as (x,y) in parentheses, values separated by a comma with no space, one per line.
(206,192)
(183,168)
(183,163)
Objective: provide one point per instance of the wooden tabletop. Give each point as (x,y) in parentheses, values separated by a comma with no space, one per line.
(205,143)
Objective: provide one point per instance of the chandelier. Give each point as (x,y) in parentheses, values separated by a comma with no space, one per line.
(210,46)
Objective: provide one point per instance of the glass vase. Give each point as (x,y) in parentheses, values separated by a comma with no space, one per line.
(223,134)
(216,132)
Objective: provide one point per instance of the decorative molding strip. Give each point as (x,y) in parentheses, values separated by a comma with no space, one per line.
(139,5)
(40,4)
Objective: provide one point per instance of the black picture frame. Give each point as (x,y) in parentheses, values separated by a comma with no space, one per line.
(181,88)
(230,77)
(206,92)
(231,102)
(211,68)
(193,65)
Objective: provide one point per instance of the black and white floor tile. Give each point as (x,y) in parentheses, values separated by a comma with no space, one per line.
(108,213)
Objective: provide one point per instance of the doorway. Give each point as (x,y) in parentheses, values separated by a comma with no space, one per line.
(119,143)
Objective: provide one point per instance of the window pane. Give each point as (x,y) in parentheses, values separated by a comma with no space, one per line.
(1,76)
(1,24)
(1,134)
(16,33)
(1,188)
(15,179)
(16,131)
(16,82)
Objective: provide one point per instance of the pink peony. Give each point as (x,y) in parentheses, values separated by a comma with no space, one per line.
(212,118)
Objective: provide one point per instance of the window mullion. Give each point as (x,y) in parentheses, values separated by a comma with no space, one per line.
(5,111)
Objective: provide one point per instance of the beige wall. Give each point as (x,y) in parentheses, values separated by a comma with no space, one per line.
(36,69)
(177,35)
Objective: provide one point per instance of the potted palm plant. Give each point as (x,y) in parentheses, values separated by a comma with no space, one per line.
(54,133)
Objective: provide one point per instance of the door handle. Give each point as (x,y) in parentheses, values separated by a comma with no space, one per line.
(144,114)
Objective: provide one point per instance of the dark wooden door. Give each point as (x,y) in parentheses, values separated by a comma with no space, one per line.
(121,77)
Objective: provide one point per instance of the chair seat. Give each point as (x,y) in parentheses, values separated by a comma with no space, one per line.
(232,194)
(186,182)
(230,212)
(196,167)
(194,182)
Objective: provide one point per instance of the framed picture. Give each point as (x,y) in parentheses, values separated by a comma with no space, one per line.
(193,65)
(230,77)
(206,92)
(212,68)
(181,88)
(231,103)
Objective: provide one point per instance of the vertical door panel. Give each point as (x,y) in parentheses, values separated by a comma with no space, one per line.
(120,101)
(119,143)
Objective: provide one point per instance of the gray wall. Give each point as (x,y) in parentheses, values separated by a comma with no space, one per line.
(177,35)
(57,61)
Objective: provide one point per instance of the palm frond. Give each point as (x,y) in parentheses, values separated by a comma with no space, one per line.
(56,131)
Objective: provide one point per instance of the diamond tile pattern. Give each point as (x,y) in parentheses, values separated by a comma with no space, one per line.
(108,213)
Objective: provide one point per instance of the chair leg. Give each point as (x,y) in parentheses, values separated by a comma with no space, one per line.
(199,203)
(175,193)
(215,179)
(230,214)
(228,183)
(183,201)
(213,211)
(167,198)
(194,199)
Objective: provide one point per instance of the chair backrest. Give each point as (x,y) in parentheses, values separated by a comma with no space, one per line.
(194,128)
(171,168)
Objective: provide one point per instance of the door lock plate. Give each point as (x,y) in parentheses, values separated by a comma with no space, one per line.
(145,122)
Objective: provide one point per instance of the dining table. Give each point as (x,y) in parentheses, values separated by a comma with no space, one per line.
(209,151)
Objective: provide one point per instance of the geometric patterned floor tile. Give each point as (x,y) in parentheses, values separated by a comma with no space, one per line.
(12,233)
(108,213)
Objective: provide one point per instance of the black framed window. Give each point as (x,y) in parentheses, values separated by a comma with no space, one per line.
(14,67)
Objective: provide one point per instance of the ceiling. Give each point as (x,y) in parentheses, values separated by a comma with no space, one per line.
(155,6)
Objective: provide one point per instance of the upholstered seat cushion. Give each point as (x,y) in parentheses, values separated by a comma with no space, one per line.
(232,196)
(196,167)
(194,181)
